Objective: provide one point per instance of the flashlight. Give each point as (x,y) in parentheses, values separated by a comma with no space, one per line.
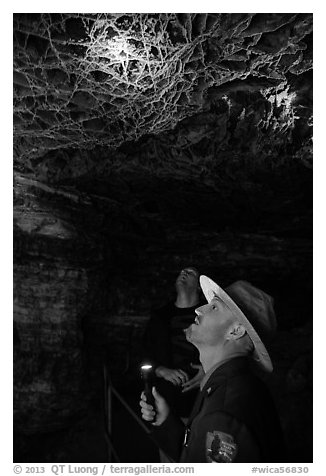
(147,376)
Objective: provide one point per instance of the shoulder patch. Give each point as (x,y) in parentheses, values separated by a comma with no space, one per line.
(220,447)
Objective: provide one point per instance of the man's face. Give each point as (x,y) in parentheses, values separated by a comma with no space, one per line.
(211,324)
(188,278)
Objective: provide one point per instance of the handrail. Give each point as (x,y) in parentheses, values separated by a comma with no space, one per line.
(108,415)
(109,389)
(130,410)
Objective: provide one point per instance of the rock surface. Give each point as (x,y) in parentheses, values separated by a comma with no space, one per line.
(82,81)
(84,287)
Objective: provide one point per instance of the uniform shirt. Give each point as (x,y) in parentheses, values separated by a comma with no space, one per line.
(233,420)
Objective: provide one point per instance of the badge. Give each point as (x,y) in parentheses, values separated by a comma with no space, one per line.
(186,437)
(220,447)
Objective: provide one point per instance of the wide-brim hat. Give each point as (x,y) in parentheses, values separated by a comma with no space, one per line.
(254,310)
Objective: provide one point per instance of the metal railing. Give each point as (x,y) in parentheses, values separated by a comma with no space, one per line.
(109,392)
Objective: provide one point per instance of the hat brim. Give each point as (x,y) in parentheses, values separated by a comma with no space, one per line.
(260,354)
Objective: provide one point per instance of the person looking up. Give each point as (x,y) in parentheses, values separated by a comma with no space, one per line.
(234,418)
(175,360)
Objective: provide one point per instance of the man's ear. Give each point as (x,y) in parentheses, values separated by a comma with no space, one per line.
(236,331)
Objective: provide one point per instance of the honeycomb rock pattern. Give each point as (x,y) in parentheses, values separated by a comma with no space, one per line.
(87,80)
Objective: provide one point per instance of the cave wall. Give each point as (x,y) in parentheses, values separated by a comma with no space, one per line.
(88,269)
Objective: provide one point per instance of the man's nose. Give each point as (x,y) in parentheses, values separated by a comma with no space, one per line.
(199,310)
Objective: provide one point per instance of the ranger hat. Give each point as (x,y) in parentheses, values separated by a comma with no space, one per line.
(254,310)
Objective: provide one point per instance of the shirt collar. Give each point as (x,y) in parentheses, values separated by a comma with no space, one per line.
(224,369)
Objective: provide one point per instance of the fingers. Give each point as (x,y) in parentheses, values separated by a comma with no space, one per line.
(146,406)
(195,366)
(148,412)
(180,377)
(158,397)
(183,375)
(171,378)
(189,386)
(148,415)
(157,414)
(175,376)
(193,383)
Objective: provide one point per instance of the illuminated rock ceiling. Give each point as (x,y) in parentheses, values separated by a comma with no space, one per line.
(96,81)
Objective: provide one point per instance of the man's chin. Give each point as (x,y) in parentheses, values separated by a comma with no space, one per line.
(188,333)
(180,284)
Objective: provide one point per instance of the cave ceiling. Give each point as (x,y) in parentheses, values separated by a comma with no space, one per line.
(144,101)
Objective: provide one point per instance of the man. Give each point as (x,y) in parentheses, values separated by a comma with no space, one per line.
(234,418)
(176,361)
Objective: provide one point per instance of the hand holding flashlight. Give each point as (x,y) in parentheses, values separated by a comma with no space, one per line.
(156,414)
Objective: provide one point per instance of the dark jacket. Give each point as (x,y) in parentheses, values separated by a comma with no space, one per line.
(233,420)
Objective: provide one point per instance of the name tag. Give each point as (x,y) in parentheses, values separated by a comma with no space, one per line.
(186,437)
